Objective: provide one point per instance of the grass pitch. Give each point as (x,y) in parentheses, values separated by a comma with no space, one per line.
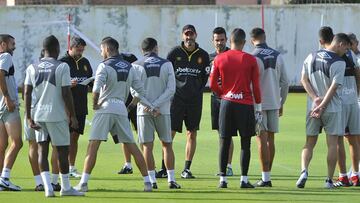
(107,186)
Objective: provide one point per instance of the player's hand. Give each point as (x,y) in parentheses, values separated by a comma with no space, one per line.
(96,106)
(130,107)
(10,105)
(33,125)
(258,116)
(317,112)
(74,82)
(156,112)
(317,101)
(74,123)
(280,111)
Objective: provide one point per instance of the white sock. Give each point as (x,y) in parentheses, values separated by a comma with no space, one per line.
(342,174)
(128,165)
(6,173)
(244,179)
(229,166)
(45,175)
(354,174)
(84,178)
(171,175)
(265,176)
(71,168)
(55,178)
(223,179)
(304,175)
(38,180)
(152,176)
(65,182)
(146,179)
(349,172)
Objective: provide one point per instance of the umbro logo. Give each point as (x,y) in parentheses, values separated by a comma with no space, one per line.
(266,52)
(121,64)
(152,60)
(45,64)
(324,55)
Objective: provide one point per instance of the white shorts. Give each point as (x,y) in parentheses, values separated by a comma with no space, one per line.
(330,121)
(270,121)
(29,133)
(148,124)
(351,118)
(57,132)
(6,116)
(117,125)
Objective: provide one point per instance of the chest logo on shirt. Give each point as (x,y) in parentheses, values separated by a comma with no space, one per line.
(199,61)
(178,58)
(85,68)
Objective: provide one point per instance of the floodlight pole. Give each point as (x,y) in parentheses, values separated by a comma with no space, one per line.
(68,31)
(262,14)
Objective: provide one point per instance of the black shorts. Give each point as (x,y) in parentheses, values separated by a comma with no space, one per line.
(190,114)
(215,110)
(235,117)
(81,122)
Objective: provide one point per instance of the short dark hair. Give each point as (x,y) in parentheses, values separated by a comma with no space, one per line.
(148,44)
(326,34)
(5,38)
(256,33)
(219,31)
(342,37)
(51,44)
(238,36)
(111,43)
(77,41)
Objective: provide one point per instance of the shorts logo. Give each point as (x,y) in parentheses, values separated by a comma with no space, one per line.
(152,60)
(324,55)
(45,64)
(121,64)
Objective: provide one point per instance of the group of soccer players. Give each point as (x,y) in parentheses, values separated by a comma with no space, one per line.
(157,94)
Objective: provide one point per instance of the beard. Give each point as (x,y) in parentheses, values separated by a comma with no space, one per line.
(189,42)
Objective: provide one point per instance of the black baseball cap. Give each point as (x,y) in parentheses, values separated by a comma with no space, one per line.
(189,28)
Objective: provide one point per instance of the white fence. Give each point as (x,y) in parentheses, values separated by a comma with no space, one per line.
(290,29)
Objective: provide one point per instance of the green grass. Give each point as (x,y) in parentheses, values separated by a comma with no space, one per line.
(106,186)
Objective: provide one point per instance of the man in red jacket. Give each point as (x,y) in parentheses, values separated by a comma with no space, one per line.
(238,71)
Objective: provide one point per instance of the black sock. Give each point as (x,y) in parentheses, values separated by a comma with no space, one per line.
(187,165)
(245,155)
(163,165)
(224,154)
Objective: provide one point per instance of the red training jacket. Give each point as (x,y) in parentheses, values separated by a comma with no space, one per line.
(238,71)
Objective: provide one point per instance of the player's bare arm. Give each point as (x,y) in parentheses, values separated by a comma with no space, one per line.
(27,98)
(9,103)
(309,89)
(69,104)
(317,111)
